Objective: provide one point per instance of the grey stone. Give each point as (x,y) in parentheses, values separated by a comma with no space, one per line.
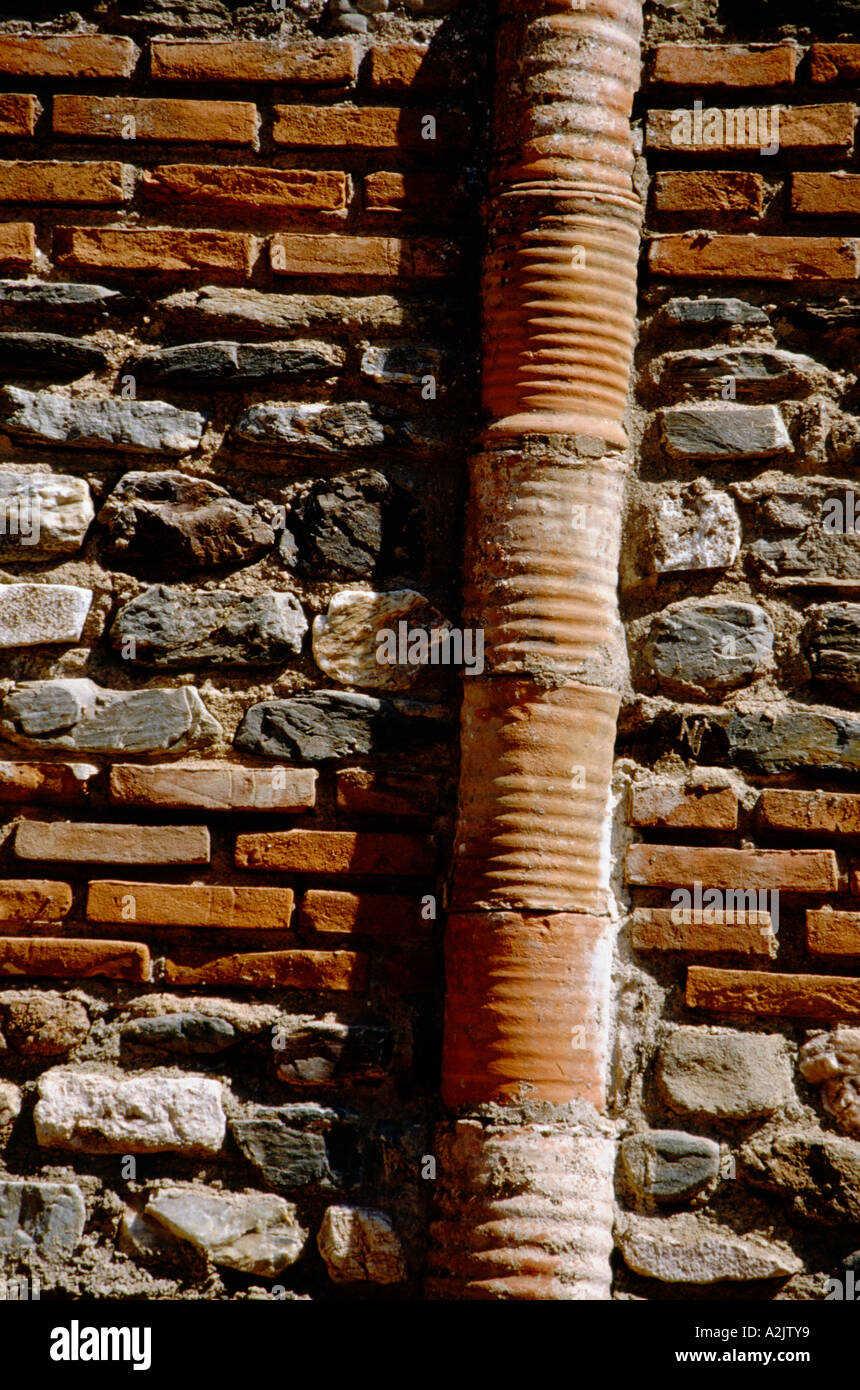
(128,426)
(330,429)
(818,1174)
(286,1154)
(350,23)
(249,1231)
(171,524)
(58,295)
(91,1112)
(181,1035)
(174,627)
(42,515)
(44,1217)
(35,614)
(357,525)
(79,714)
(724,432)
(360,1245)
(224,362)
(714,644)
(722,1073)
(695,313)
(49,354)
(317,1053)
(326,724)
(346,638)
(697,529)
(831,641)
(780,741)
(10,1104)
(401,364)
(757,372)
(669,1165)
(832,1061)
(683,1249)
(228,307)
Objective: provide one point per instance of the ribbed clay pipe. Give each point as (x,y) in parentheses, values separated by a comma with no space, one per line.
(524,1197)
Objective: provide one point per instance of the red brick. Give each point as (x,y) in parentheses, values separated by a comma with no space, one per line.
(67,55)
(254,60)
(17,243)
(67,958)
(826,194)
(17,114)
(54,782)
(421,195)
(366,128)
(169,120)
(336,852)
(703,255)
(82,843)
(275,190)
(830,933)
(824,813)
(387,793)
(315,970)
(190,905)
(379,257)
(216,786)
(400,67)
(34,900)
(745,933)
(369,914)
(724,64)
(825,129)
(834,62)
(667,807)
(757,992)
(55,181)
(156,250)
(711,194)
(790,870)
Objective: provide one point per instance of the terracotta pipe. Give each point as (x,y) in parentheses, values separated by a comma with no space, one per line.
(525,1201)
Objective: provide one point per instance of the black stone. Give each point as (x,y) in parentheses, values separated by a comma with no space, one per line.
(802,738)
(326,724)
(180,1034)
(222,362)
(831,640)
(301,1146)
(48,354)
(358,525)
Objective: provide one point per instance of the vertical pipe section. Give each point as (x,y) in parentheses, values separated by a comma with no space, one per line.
(524,1195)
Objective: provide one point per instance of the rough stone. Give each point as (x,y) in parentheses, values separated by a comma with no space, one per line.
(295,1146)
(79,714)
(818,1174)
(10,1107)
(42,515)
(780,741)
(696,529)
(330,429)
(706,313)
(722,1073)
(49,354)
(35,614)
(832,1061)
(223,363)
(714,644)
(669,1165)
(43,1217)
(831,641)
(175,627)
(346,639)
(42,1024)
(357,525)
(91,1112)
(328,724)
(756,372)
(63,295)
(360,1245)
(181,1035)
(319,1053)
(712,432)
(400,364)
(124,425)
(249,1231)
(683,1249)
(231,308)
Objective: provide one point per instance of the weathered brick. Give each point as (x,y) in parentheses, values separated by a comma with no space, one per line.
(367,128)
(418,194)
(399,67)
(68,958)
(67,55)
(763,994)
(17,243)
(712,194)
(381,257)
(217,786)
(156,250)
(277,190)
(370,914)
(826,194)
(830,933)
(86,843)
(17,114)
(823,813)
(34,900)
(55,782)
(335,970)
(253,60)
(675,929)
(167,119)
(336,852)
(703,255)
(363,791)
(823,129)
(834,62)
(189,905)
(666,807)
(724,64)
(56,181)
(790,871)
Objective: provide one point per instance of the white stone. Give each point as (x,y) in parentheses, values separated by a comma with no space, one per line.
(360,1245)
(42,514)
(147,1113)
(249,1231)
(32,614)
(10,1103)
(128,425)
(684,1250)
(698,530)
(346,639)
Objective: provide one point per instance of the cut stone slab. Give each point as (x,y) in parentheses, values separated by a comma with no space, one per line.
(724,432)
(698,529)
(127,426)
(723,1073)
(217,786)
(78,714)
(44,1217)
(705,313)
(668,1165)
(180,1035)
(91,1112)
(49,354)
(360,1245)
(222,363)
(174,627)
(350,636)
(327,724)
(229,308)
(682,1249)
(249,1231)
(33,615)
(709,645)
(819,1174)
(65,295)
(755,371)
(832,1061)
(831,642)
(358,525)
(778,742)
(42,515)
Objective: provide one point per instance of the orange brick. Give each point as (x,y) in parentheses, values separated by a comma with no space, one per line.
(67,55)
(82,843)
(724,64)
(789,870)
(825,129)
(17,114)
(823,813)
(673,929)
(57,782)
(17,243)
(424,195)
(834,62)
(170,120)
(275,190)
(254,60)
(55,181)
(713,194)
(830,933)
(703,255)
(367,128)
(399,67)
(189,905)
(336,852)
(826,194)
(34,900)
(335,970)
(762,994)
(216,786)
(387,793)
(667,807)
(156,250)
(66,958)
(370,914)
(380,257)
